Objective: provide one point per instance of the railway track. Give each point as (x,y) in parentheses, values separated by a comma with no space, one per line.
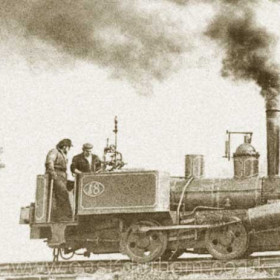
(254,268)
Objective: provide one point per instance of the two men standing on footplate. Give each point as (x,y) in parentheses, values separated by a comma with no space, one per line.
(56,167)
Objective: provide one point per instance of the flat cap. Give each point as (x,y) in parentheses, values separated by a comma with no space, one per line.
(64,142)
(87,146)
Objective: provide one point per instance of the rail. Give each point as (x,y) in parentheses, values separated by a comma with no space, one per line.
(254,268)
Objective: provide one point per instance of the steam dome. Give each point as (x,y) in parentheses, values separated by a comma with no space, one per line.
(246,161)
(245,149)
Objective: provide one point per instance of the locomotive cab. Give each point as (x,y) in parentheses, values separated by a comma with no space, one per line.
(102,200)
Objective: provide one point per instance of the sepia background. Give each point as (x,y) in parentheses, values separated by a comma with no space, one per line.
(67,68)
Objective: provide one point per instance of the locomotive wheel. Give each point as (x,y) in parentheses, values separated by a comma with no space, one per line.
(144,247)
(229,242)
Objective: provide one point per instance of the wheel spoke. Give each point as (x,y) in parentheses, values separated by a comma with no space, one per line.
(138,252)
(154,246)
(133,237)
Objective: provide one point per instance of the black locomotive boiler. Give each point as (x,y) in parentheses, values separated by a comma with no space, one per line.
(148,214)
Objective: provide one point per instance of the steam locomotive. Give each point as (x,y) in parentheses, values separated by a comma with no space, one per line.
(148,215)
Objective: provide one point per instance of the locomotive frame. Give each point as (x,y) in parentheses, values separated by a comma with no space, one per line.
(144,232)
(148,215)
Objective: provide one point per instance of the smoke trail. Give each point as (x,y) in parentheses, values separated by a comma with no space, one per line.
(136,44)
(249,48)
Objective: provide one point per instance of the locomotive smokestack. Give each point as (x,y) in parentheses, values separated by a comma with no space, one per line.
(273,134)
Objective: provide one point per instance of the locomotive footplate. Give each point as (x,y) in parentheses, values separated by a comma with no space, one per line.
(55,232)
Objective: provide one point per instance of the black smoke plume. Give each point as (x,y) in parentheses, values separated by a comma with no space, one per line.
(135,44)
(249,48)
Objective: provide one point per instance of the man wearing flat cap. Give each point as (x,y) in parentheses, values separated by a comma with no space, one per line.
(56,167)
(85,162)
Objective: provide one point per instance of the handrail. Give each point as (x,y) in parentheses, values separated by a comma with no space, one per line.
(50,201)
(74,198)
(181,199)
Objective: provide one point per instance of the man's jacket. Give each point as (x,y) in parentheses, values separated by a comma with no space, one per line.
(81,163)
(56,162)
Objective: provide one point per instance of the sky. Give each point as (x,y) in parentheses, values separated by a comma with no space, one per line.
(164,83)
